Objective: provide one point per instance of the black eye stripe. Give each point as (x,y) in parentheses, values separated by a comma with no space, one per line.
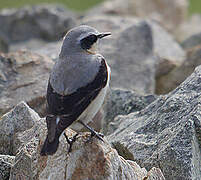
(88,41)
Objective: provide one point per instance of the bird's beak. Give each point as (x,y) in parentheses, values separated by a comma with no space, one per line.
(103,35)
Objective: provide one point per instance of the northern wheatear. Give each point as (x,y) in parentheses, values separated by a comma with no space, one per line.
(77,86)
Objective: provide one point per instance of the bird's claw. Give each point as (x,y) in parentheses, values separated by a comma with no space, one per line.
(70,141)
(97,135)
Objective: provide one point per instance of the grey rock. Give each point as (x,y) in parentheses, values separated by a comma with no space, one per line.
(18,120)
(169,81)
(91,160)
(165,46)
(49,49)
(169,13)
(192,41)
(25,165)
(166,133)
(6,162)
(88,160)
(49,22)
(188,28)
(23,77)
(3,44)
(123,102)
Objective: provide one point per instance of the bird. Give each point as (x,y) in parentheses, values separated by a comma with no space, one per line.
(77,86)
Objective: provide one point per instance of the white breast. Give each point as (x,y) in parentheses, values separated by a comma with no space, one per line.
(93,107)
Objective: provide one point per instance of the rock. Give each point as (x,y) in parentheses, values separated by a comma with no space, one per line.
(23,77)
(192,41)
(92,159)
(19,120)
(50,49)
(188,28)
(6,163)
(3,44)
(123,102)
(169,13)
(169,81)
(166,133)
(49,22)
(26,161)
(145,47)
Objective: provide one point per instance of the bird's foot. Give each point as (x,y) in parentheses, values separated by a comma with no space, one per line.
(70,141)
(97,135)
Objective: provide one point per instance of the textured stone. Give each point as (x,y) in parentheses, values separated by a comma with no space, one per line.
(169,81)
(166,133)
(18,120)
(6,163)
(123,102)
(89,159)
(23,77)
(25,165)
(48,22)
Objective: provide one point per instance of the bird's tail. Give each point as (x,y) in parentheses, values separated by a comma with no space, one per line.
(52,140)
(49,148)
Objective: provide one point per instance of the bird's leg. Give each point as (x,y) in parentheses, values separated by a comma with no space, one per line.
(70,141)
(93,132)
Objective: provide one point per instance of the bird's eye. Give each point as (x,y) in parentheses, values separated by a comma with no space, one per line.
(88,41)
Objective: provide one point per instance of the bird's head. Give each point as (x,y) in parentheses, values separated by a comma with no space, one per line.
(81,39)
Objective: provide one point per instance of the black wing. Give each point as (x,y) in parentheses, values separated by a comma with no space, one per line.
(71,106)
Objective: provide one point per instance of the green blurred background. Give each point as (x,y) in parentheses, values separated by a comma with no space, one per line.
(81,5)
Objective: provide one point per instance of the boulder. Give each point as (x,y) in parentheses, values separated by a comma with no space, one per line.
(3,44)
(191,42)
(188,28)
(123,102)
(90,158)
(23,77)
(138,50)
(166,133)
(169,81)
(39,46)
(18,120)
(49,22)
(6,162)
(169,13)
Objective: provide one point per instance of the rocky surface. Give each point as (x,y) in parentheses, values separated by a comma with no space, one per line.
(89,159)
(23,76)
(123,102)
(169,81)
(48,22)
(169,13)
(19,120)
(166,133)
(188,28)
(6,163)
(192,42)
(3,44)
